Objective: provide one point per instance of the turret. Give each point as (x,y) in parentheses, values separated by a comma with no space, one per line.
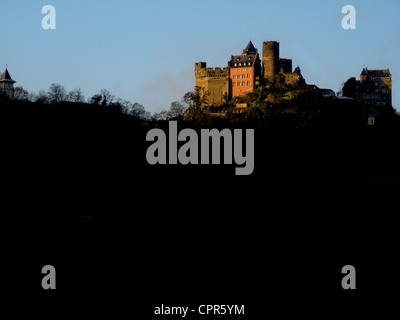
(270,59)
(7,85)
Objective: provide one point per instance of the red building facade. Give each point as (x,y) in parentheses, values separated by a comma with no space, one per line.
(244,71)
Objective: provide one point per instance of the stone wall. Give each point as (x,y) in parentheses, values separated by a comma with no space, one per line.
(215,82)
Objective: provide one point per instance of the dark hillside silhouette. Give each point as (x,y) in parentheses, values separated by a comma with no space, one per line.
(89,159)
(81,195)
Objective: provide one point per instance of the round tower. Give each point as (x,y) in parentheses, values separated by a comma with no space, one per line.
(270,59)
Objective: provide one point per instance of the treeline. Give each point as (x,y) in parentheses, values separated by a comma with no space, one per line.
(57,93)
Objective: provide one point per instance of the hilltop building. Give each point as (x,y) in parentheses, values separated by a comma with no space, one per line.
(274,66)
(7,85)
(373,89)
(213,81)
(246,72)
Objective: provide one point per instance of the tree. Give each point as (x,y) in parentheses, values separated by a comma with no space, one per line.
(95,99)
(76,95)
(57,93)
(196,100)
(104,97)
(20,93)
(107,97)
(137,110)
(340,92)
(349,88)
(32,97)
(42,97)
(177,109)
(160,116)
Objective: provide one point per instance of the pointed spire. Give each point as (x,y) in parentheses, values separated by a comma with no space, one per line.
(364,72)
(250,48)
(6,77)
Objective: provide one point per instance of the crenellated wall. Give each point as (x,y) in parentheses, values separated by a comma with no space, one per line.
(215,82)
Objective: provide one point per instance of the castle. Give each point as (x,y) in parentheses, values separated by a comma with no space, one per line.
(7,85)
(373,89)
(246,72)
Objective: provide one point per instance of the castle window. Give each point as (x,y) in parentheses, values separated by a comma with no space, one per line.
(234,77)
(248,76)
(235,64)
(234,84)
(238,83)
(243,84)
(240,64)
(248,83)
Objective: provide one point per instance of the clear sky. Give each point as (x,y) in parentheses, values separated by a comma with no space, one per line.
(144,51)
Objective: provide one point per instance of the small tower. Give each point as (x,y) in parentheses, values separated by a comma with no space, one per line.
(364,75)
(7,85)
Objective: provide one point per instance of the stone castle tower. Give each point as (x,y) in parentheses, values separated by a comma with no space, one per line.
(7,85)
(273,65)
(215,82)
(270,59)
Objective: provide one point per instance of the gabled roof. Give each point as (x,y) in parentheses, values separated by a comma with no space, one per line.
(6,77)
(243,60)
(250,49)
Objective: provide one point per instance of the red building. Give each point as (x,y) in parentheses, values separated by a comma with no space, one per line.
(245,71)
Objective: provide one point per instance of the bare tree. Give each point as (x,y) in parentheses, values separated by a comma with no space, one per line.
(57,93)
(95,99)
(76,95)
(125,105)
(162,115)
(42,97)
(32,97)
(20,93)
(107,97)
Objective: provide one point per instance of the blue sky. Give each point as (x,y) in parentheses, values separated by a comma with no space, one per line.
(144,51)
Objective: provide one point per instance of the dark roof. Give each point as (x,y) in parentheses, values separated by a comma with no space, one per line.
(247,58)
(250,49)
(243,60)
(379,73)
(376,73)
(6,77)
(364,72)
